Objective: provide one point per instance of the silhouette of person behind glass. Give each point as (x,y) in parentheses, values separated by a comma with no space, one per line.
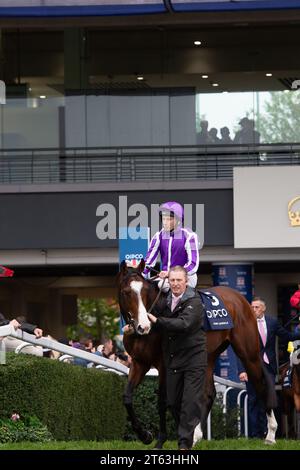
(225,136)
(213,135)
(203,137)
(247,134)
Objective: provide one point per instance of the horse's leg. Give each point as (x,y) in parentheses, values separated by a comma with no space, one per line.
(261,381)
(272,428)
(136,374)
(162,409)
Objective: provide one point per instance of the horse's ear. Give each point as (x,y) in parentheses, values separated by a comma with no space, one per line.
(141,265)
(123,267)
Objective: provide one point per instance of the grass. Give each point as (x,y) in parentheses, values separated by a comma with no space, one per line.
(226,444)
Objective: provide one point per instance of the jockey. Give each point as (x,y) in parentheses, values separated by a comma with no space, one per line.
(176,245)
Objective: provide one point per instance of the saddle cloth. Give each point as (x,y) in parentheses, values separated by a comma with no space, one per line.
(216,316)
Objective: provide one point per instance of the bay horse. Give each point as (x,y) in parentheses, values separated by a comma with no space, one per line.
(136,297)
(291,395)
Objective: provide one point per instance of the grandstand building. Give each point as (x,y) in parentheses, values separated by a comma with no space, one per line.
(110,101)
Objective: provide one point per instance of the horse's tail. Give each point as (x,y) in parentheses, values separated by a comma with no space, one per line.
(270,397)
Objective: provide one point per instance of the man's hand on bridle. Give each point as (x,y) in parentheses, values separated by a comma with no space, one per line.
(152,318)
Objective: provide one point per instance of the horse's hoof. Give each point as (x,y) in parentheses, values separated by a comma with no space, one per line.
(147,437)
(158,446)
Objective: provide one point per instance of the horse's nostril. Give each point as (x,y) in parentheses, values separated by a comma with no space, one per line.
(140,329)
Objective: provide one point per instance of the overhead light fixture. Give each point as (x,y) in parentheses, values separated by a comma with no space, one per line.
(140,77)
(215,84)
(204,76)
(197,43)
(43,97)
(269,74)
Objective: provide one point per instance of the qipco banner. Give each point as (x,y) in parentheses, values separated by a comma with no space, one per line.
(236,276)
(133,244)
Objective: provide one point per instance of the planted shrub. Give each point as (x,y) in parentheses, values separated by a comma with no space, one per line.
(26,428)
(72,401)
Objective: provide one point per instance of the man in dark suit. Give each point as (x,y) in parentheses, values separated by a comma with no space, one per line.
(268,328)
(184,349)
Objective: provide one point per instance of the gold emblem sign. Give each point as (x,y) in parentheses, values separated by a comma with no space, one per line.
(294,215)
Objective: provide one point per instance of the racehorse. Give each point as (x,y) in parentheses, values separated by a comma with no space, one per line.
(137,296)
(291,395)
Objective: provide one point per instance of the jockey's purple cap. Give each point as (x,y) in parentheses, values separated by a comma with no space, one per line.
(172,207)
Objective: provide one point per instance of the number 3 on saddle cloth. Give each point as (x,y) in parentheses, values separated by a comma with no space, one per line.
(216,316)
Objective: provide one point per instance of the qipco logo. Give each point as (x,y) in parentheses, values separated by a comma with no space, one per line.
(134,256)
(2,92)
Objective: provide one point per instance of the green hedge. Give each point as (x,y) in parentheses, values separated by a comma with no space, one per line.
(74,402)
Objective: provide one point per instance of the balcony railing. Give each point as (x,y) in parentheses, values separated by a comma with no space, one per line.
(127,164)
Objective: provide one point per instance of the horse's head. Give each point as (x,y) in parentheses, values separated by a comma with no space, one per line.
(134,297)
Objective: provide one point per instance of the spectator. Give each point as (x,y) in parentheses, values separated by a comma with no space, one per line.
(225,136)
(85,344)
(268,328)
(203,137)
(213,136)
(11,343)
(107,350)
(247,134)
(123,358)
(295,299)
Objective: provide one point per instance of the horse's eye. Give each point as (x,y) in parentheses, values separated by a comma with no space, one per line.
(127,290)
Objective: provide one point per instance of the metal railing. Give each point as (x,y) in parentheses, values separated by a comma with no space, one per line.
(126,164)
(50,344)
(8,330)
(224,387)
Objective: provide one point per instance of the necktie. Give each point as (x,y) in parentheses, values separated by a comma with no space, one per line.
(175,301)
(261,329)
